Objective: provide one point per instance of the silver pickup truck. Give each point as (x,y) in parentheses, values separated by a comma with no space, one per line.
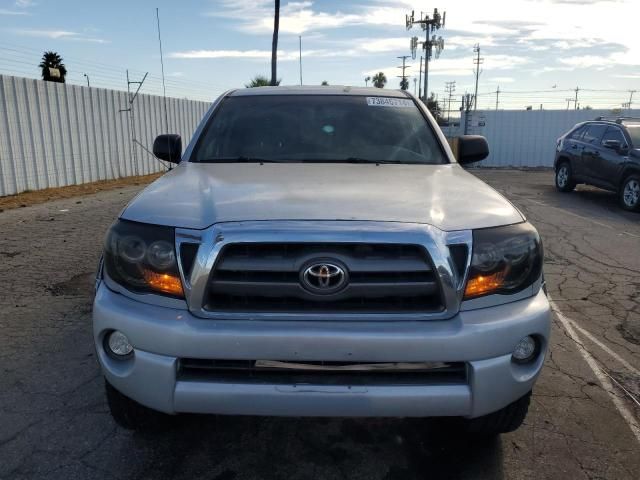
(319,251)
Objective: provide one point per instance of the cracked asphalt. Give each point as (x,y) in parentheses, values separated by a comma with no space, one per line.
(54,421)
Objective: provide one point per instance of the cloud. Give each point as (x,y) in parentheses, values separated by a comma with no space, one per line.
(4,11)
(59,35)
(25,3)
(245,54)
(501,79)
(600,62)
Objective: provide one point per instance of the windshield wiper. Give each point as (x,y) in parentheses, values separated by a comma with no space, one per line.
(240,159)
(353,160)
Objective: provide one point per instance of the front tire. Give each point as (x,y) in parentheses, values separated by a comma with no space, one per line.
(630,193)
(564,177)
(131,415)
(505,420)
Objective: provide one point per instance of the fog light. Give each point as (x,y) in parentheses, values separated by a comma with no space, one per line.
(118,345)
(526,350)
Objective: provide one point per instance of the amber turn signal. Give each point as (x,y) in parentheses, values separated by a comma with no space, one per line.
(483,285)
(163,282)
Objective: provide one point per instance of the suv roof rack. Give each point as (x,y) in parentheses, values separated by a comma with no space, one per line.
(617,119)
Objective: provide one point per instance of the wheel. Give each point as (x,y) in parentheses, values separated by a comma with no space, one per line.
(505,420)
(564,177)
(133,416)
(630,193)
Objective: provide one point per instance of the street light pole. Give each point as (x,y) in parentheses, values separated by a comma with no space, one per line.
(87,79)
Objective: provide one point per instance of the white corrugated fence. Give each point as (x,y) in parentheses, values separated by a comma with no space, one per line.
(52,134)
(520,138)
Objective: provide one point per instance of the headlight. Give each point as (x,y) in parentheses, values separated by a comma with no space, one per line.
(142,258)
(505,260)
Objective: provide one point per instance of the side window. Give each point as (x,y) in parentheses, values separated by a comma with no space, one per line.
(594,133)
(577,133)
(614,133)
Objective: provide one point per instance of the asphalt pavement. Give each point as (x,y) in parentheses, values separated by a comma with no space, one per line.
(583,421)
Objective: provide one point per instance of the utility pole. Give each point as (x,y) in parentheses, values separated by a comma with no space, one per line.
(87,76)
(497,97)
(404,84)
(569,100)
(631,92)
(575,104)
(477,61)
(420,79)
(429,25)
(467,100)
(450,88)
(132,125)
(415,80)
(300,39)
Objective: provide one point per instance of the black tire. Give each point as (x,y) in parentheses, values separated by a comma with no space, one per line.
(629,194)
(505,420)
(564,177)
(131,415)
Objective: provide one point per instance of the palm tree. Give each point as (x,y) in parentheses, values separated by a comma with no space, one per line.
(53,70)
(367,79)
(404,83)
(260,81)
(274,43)
(324,83)
(379,80)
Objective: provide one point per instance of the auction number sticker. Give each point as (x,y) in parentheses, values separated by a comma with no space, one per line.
(388,102)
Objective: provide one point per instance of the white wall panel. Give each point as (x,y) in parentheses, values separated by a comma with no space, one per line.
(52,135)
(519,138)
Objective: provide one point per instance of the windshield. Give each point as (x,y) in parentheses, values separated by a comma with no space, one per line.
(634,133)
(318,128)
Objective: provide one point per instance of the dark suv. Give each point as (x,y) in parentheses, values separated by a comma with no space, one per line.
(604,153)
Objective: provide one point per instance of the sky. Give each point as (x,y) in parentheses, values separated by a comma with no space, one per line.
(535,51)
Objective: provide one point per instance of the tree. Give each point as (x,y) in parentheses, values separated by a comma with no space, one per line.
(324,83)
(379,80)
(434,106)
(404,84)
(274,44)
(53,70)
(367,79)
(260,81)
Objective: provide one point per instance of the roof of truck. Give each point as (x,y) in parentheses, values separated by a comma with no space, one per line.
(319,90)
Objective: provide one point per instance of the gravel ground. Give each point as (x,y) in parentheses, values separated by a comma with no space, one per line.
(54,421)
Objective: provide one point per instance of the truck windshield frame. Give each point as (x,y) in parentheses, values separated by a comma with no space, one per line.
(319,129)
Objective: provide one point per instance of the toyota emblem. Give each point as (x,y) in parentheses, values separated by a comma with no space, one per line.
(323,278)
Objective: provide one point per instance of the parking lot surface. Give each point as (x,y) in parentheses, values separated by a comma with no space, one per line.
(583,422)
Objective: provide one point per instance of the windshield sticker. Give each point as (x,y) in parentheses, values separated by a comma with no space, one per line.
(388,102)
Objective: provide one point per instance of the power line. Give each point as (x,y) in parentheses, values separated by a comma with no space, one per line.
(164,88)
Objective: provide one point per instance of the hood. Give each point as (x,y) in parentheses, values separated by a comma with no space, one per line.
(196,195)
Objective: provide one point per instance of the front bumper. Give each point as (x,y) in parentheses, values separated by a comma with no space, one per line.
(483,338)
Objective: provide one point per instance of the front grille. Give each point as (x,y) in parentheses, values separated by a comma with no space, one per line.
(321,373)
(266,277)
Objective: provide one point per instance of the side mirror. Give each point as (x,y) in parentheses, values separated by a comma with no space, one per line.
(472,148)
(168,147)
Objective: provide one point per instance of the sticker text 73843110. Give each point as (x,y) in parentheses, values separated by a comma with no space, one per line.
(388,102)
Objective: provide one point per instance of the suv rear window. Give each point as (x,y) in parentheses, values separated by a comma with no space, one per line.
(634,132)
(577,133)
(317,128)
